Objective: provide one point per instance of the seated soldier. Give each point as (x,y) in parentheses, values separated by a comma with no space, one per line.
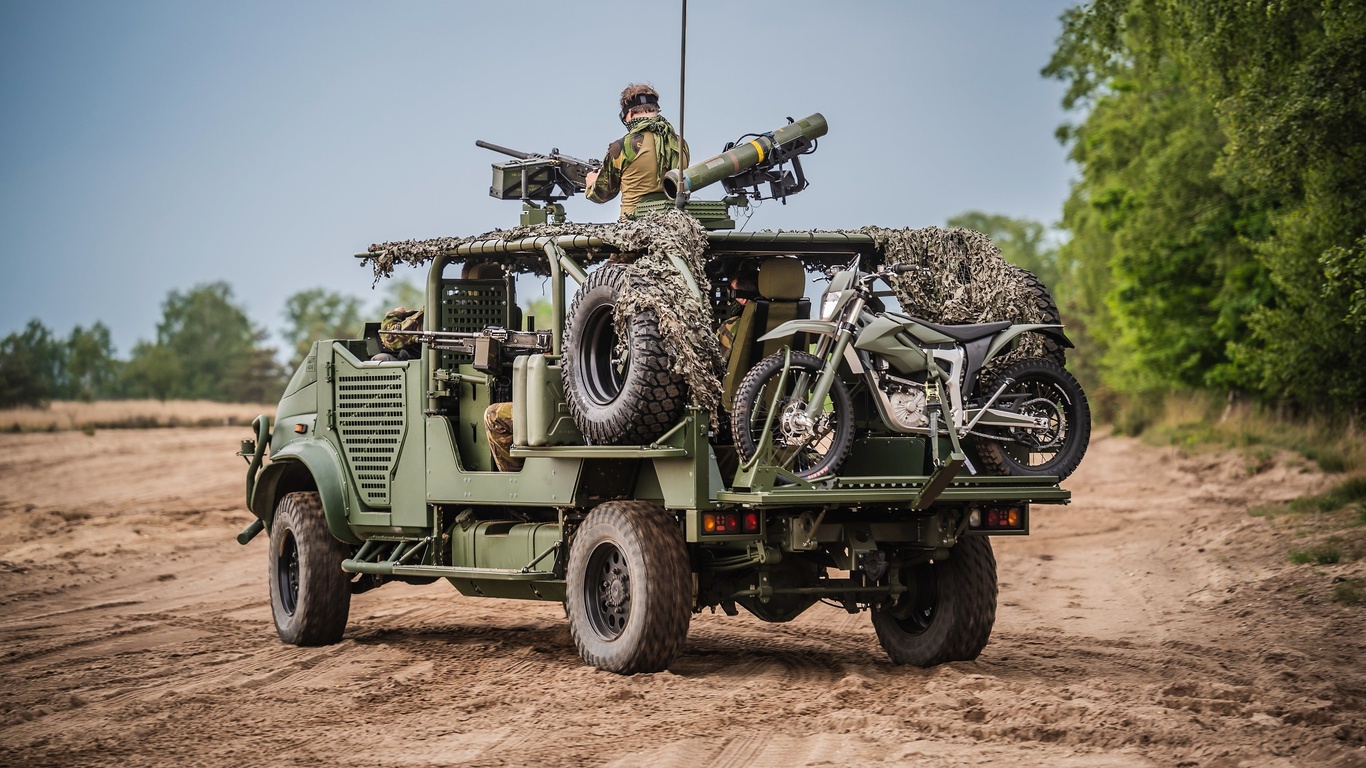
(498,429)
(398,347)
(744,288)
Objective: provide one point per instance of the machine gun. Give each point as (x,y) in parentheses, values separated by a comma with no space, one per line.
(545,178)
(539,181)
(486,346)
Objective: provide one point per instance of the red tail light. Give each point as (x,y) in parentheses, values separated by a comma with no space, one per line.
(730,522)
(999,518)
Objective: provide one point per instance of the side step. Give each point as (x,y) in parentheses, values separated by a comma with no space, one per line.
(445,571)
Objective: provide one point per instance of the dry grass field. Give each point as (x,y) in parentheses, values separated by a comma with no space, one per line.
(128,414)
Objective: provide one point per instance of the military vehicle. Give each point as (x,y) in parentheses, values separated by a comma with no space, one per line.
(632,506)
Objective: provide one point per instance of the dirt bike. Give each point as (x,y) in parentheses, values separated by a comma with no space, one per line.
(922,378)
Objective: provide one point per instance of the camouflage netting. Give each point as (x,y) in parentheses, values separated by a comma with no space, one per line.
(966,281)
(654,283)
(962,279)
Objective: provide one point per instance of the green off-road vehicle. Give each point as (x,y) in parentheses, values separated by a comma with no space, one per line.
(634,506)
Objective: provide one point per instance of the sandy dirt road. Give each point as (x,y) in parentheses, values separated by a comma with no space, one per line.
(1151,623)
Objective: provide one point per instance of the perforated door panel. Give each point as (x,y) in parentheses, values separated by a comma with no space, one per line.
(370,407)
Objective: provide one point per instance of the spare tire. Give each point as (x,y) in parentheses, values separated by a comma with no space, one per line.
(1048,310)
(629,399)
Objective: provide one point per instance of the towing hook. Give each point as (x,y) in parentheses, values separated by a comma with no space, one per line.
(250,531)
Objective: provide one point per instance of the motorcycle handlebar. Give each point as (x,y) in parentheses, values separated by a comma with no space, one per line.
(894,269)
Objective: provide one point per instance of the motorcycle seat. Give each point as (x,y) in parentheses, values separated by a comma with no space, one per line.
(966,333)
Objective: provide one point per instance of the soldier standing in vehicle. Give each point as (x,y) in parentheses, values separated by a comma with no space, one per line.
(636,163)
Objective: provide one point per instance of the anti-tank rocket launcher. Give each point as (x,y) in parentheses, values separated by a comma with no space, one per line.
(753,160)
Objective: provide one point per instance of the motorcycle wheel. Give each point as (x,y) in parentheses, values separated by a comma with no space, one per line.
(1043,389)
(810,449)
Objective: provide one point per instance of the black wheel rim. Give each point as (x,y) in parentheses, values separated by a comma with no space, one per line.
(602,374)
(914,612)
(287,573)
(607,591)
(1039,449)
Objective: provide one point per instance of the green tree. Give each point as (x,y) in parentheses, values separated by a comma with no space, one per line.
(207,348)
(1217,230)
(1289,83)
(91,368)
(152,371)
(318,313)
(31,365)
(400,292)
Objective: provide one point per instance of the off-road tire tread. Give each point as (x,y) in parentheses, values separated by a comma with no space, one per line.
(667,587)
(964,617)
(746,443)
(1043,300)
(653,396)
(324,601)
(992,452)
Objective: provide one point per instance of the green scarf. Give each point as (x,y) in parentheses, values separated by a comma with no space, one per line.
(666,140)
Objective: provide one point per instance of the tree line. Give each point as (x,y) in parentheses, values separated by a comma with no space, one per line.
(1215,239)
(1218,227)
(206,348)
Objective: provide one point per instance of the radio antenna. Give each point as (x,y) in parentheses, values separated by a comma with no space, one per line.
(682,92)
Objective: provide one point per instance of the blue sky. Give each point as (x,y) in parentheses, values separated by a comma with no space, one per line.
(150,146)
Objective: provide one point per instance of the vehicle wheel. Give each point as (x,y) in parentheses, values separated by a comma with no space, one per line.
(809,448)
(948,612)
(1042,389)
(629,588)
(1053,350)
(628,399)
(310,594)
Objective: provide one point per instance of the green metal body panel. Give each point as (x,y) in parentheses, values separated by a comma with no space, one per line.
(879,337)
(324,466)
(925,334)
(505,544)
(900,490)
(791,327)
(1002,341)
(511,588)
(544,481)
(886,456)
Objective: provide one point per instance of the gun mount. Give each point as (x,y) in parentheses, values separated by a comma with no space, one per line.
(543,179)
(745,165)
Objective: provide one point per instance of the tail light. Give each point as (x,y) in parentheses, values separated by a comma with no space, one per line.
(999,518)
(730,522)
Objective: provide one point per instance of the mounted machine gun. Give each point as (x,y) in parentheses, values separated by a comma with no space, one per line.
(533,179)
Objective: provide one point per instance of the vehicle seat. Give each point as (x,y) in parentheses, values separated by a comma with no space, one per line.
(782,283)
(482,297)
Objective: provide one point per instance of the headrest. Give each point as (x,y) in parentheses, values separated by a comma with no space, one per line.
(483,271)
(782,279)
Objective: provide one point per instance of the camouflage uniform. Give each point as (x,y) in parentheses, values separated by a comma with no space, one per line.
(636,163)
(399,319)
(726,333)
(744,287)
(498,427)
